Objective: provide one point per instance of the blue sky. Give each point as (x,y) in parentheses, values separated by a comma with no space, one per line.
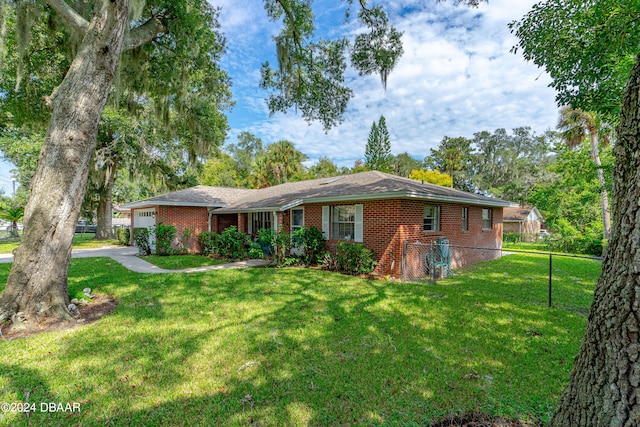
(456,77)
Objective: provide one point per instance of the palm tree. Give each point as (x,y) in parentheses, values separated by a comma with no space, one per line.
(574,126)
(13,215)
(284,161)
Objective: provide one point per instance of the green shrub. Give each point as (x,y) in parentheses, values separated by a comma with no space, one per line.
(255,251)
(164,236)
(328,262)
(510,237)
(587,245)
(232,244)
(124,236)
(311,242)
(207,240)
(354,258)
(142,237)
(282,246)
(266,239)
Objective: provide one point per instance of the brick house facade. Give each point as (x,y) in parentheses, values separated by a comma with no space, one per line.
(379,210)
(387,224)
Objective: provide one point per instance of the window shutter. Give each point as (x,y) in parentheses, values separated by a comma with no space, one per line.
(326,218)
(358,232)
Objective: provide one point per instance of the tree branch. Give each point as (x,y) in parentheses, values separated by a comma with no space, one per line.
(144,33)
(292,20)
(69,15)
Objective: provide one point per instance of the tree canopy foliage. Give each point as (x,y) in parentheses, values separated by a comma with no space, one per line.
(587,47)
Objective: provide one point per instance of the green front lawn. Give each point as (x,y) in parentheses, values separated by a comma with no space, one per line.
(180,262)
(80,241)
(294,347)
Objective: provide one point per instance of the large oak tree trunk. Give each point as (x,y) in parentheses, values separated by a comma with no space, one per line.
(37,284)
(604,388)
(104,229)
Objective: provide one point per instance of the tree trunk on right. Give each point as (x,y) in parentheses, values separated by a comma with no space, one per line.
(604,387)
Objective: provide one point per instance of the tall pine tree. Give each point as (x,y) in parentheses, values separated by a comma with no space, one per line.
(377,155)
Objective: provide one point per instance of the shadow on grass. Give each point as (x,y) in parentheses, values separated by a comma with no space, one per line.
(298,347)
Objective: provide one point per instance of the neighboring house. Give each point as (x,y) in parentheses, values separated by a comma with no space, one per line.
(524,220)
(121,216)
(381,211)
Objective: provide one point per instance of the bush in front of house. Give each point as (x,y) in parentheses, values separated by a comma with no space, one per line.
(124,236)
(354,258)
(164,236)
(256,251)
(142,237)
(207,240)
(232,244)
(312,243)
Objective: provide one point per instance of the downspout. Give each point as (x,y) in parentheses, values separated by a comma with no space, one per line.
(210,210)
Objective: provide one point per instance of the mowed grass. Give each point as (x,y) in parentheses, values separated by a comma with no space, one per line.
(296,347)
(181,262)
(80,241)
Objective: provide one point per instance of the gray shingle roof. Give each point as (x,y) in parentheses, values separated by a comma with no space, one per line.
(516,213)
(200,195)
(359,186)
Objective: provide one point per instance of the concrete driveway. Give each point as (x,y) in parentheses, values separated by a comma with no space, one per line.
(127,256)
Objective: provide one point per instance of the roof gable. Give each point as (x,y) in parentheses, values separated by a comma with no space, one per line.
(520,213)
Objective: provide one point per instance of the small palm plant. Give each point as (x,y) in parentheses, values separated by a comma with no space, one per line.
(13,215)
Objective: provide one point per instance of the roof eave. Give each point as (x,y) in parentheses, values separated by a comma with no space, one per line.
(150,203)
(240,210)
(407,195)
(373,196)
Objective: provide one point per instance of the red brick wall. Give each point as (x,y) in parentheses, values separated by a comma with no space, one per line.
(388,223)
(243,222)
(225,221)
(192,217)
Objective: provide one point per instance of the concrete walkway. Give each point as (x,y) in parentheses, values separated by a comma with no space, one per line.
(127,256)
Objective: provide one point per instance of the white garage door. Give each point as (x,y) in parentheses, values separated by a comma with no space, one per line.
(143,218)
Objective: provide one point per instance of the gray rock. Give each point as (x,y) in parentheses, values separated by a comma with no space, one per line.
(73,309)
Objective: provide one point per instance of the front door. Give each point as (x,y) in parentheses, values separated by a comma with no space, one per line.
(297,222)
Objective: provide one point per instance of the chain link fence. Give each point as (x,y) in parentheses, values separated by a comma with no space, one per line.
(437,259)
(542,277)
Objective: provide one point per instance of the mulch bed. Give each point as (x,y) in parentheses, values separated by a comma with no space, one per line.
(100,306)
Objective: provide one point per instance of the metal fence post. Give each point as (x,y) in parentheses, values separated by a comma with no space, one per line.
(550,276)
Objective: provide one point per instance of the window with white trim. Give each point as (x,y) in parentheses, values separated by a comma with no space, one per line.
(431,218)
(487,215)
(465,219)
(343,222)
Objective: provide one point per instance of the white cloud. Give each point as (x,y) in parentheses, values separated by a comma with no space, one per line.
(457,77)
